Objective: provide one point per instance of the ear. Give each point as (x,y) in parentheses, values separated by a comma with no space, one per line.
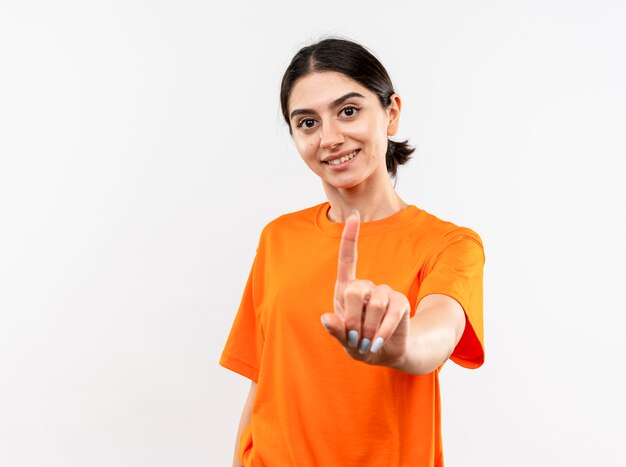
(393,113)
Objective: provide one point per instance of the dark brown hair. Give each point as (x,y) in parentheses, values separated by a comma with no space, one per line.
(356,62)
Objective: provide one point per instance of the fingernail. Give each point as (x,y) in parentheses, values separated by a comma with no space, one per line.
(365,344)
(324,324)
(353,338)
(355,211)
(378,343)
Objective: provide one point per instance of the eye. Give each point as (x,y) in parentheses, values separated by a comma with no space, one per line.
(350,111)
(306,123)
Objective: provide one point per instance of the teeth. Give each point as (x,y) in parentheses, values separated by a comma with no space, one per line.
(343,158)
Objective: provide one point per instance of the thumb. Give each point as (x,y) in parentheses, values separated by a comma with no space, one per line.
(335,326)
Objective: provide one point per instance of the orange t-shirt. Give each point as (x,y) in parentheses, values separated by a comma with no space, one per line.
(314,405)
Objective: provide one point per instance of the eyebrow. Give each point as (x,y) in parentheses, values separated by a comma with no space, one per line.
(337,102)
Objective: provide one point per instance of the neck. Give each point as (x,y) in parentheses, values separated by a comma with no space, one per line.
(371,204)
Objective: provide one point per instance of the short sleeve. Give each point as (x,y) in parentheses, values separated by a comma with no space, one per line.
(244,346)
(456,269)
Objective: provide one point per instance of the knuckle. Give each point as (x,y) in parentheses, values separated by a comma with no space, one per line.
(357,289)
(401,298)
(353,292)
(363,285)
(377,304)
(352,324)
(396,313)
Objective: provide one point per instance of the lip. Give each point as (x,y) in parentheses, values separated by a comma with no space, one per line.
(343,165)
(340,154)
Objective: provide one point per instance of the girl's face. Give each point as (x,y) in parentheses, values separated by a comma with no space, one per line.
(340,128)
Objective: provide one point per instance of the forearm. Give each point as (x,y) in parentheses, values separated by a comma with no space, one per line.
(244,421)
(435,330)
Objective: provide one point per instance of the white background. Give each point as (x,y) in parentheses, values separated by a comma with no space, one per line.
(142,151)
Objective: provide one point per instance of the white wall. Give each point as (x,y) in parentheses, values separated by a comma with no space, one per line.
(142,152)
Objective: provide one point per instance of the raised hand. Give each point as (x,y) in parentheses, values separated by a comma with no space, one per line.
(370,321)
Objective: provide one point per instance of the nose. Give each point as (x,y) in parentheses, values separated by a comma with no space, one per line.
(330,136)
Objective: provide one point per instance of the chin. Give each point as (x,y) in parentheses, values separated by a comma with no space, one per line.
(344,185)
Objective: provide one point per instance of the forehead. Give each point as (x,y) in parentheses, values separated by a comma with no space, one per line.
(319,89)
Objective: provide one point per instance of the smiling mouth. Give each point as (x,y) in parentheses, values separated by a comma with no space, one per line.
(341,159)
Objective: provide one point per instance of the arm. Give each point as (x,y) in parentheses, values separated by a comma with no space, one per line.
(435,330)
(244,421)
(373,324)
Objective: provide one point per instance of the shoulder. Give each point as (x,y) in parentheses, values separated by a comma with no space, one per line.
(291,222)
(445,231)
(444,237)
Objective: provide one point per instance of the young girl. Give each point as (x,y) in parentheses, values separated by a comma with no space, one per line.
(344,351)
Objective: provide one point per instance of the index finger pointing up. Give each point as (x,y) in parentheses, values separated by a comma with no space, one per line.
(346,271)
